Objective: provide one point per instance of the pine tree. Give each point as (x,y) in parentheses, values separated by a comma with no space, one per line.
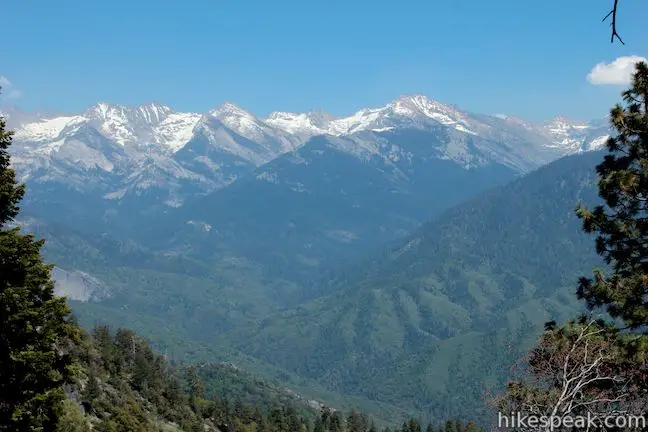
(197,389)
(35,325)
(622,222)
(173,390)
(319,425)
(293,420)
(458,425)
(276,419)
(450,426)
(256,416)
(325,416)
(414,426)
(264,426)
(337,422)
(10,192)
(105,343)
(238,409)
(92,390)
(357,422)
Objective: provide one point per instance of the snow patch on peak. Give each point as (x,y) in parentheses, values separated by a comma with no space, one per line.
(46,129)
(151,113)
(154,113)
(229,109)
(420,102)
(145,125)
(442,113)
(149,125)
(113,122)
(298,123)
(361,120)
(563,123)
(405,109)
(176,129)
(572,136)
(238,120)
(99,109)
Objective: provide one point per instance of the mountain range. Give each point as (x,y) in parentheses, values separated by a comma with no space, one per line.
(327,186)
(425,325)
(410,240)
(116,151)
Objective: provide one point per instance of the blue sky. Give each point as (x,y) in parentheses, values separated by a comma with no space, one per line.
(528,58)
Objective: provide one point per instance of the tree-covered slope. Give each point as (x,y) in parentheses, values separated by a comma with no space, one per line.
(187,291)
(428,323)
(397,332)
(122,384)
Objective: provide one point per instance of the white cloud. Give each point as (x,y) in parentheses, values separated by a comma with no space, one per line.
(8,90)
(617,72)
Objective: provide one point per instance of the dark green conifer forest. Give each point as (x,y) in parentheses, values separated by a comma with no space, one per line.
(35,325)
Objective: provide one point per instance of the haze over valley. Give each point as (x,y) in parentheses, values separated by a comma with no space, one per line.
(316,250)
(278,217)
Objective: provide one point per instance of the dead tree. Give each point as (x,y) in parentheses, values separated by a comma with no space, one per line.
(574,379)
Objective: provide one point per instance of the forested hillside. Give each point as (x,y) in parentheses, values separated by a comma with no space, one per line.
(431,313)
(441,315)
(122,384)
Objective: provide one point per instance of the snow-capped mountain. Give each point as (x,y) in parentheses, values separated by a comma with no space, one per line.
(120,151)
(302,124)
(574,136)
(271,141)
(146,125)
(419,112)
(406,111)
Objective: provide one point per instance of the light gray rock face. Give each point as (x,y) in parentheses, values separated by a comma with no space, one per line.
(78,285)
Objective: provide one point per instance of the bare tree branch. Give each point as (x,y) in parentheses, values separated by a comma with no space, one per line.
(613,14)
(571,376)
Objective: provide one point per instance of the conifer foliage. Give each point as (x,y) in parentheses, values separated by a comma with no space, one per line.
(622,222)
(35,325)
